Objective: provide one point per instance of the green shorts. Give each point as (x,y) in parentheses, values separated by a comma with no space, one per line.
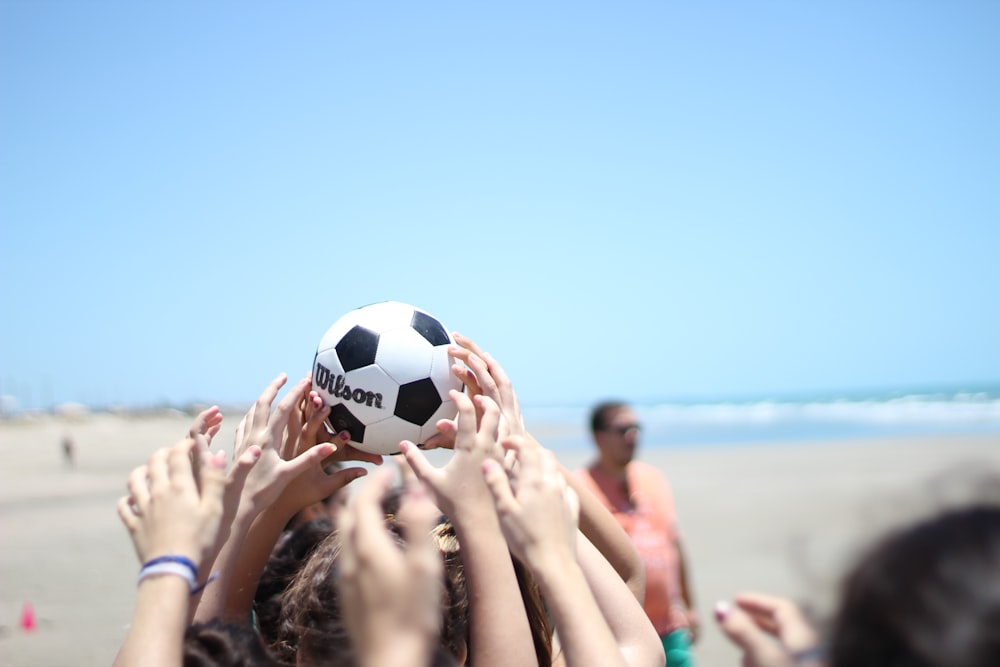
(677,646)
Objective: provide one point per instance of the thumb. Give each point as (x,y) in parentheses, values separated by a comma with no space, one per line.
(759,649)
(243,465)
(418,463)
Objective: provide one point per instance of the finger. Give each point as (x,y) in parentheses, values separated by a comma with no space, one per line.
(213,485)
(127,514)
(468,378)
(779,616)
(309,458)
(466,420)
(337,480)
(241,428)
(262,408)
(213,430)
(347,559)
(179,465)
(445,436)
(499,486)
(406,474)
(482,372)
(243,465)
(467,343)
(758,647)
(205,420)
(417,516)
(314,423)
(421,467)
(352,453)
(138,487)
(508,399)
(279,420)
(489,422)
(529,468)
(159,475)
(369,530)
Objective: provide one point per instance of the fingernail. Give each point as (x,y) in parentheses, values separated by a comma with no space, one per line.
(722,609)
(344,435)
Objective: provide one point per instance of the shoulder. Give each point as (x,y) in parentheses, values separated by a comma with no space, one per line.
(646,472)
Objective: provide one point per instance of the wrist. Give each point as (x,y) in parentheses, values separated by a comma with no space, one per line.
(553,573)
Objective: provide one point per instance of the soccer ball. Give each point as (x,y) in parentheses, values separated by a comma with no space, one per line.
(384,370)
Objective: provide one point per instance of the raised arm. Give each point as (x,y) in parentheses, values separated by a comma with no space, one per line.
(390,598)
(539,524)
(483,374)
(173,525)
(499,632)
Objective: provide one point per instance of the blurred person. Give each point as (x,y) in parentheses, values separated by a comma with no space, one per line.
(639,497)
(925,595)
(68,446)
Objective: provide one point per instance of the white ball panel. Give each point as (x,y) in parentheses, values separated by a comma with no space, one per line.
(448,410)
(384,436)
(441,374)
(404,355)
(385,316)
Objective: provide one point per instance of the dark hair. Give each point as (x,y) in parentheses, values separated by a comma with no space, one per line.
(287,557)
(220,644)
(925,596)
(601,412)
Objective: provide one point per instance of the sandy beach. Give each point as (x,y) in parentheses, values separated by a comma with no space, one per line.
(782,518)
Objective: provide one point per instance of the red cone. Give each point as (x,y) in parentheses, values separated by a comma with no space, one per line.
(28,621)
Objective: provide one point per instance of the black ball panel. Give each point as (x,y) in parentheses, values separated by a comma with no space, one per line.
(429,328)
(357,348)
(341,419)
(417,401)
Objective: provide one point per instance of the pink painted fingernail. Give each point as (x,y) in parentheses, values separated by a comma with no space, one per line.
(722,609)
(344,435)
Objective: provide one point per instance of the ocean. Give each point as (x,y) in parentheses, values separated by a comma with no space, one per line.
(816,418)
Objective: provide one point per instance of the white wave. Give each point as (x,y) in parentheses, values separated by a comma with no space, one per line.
(967,409)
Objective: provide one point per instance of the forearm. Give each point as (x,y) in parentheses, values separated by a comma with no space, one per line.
(260,539)
(584,635)
(212,601)
(687,592)
(634,634)
(610,539)
(499,632)
(156,633)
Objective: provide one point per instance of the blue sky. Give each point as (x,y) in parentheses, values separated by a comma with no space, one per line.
(653,200)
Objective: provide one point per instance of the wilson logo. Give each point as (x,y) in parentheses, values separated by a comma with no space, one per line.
(335,384)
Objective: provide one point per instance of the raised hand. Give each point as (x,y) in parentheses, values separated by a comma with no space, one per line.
(482,375)
(459,484)
(261,428)
(314,432)
(538,512)
(166,513)
(206,423)
(771,631)
(391,598)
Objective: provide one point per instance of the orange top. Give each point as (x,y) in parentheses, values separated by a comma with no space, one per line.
(645,509)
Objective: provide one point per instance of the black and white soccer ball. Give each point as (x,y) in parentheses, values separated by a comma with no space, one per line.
(384,370)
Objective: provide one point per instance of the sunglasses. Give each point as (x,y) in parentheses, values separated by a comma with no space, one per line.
(624,429)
